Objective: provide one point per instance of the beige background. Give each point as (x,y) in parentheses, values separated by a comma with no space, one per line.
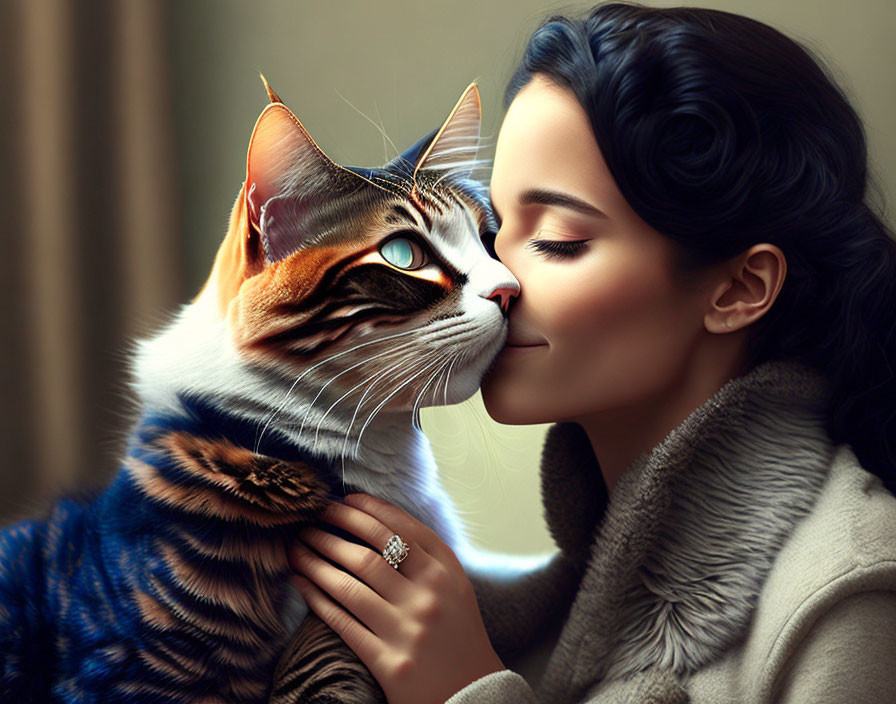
(124,144)
(342,66)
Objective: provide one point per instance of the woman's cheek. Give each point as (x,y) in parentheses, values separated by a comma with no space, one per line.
(580,302)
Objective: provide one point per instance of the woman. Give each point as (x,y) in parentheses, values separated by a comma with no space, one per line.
(706,310)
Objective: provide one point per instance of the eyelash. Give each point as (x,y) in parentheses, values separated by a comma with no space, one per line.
(550,249)
(555,249)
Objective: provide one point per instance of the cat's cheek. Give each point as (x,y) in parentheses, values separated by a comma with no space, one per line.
(463,384)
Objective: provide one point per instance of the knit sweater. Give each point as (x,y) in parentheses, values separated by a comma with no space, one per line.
(742,559)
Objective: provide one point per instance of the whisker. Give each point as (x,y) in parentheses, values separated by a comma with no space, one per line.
(472,166)
(382,131)
(415,411)
(376,410)
(368,389)
(391,350)
(357,408)
(355,415)
(434,329)
(447,376)
(423,338)
(383,402)
(320,422)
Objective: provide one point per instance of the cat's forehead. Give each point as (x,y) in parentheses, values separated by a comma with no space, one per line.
(450,213)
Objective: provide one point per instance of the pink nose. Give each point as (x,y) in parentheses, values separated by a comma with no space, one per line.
(503,294)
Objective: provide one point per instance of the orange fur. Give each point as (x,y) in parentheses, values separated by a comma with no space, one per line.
(166,668)
(237,257)
(232,630)
(267,557)
(153,612)
(242,473)
(206,501)
(245,661)
(245,486)
(256,314)
(249,604)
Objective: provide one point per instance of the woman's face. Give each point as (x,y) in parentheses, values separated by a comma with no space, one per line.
(608,325)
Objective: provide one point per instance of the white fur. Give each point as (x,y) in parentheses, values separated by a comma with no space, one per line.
(195,353)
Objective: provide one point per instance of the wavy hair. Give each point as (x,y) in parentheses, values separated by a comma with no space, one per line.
(721,132)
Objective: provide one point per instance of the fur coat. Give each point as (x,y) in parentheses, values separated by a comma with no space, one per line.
(742,559)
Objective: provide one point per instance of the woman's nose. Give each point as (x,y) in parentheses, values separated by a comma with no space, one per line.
(502,296)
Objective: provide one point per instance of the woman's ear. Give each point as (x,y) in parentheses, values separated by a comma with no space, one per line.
(749,285)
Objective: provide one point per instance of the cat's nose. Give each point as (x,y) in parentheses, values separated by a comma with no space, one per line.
(502,296)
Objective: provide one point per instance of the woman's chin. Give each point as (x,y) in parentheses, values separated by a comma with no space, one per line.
(510,409)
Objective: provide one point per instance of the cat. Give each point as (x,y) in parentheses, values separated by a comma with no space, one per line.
(341,300)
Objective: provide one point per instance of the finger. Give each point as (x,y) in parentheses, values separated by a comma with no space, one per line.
(361,561)
(403,523)
(360,639)
(365,604)
(376,534)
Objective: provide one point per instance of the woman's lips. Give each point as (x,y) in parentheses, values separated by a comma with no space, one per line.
(517,339)
(522,348)
(513,341)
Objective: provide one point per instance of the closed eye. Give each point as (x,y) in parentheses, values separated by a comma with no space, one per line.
(558,249)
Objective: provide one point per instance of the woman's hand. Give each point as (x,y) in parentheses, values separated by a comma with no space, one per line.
(417,629)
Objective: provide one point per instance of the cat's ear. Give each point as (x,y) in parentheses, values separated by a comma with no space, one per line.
(456,143)
(288,180)
(272,96)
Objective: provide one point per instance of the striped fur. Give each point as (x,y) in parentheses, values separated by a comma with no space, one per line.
(321,668)
(295,375)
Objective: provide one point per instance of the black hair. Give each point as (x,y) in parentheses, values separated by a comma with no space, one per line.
(721,132)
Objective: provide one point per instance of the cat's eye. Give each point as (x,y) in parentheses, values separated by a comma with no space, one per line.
(403,253)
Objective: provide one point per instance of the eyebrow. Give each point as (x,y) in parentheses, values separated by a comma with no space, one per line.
(542,196)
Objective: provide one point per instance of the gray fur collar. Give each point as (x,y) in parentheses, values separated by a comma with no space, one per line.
(674,563)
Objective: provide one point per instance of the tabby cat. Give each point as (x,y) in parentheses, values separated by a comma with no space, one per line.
(341,300)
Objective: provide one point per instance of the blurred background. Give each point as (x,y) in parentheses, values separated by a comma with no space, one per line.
(125,127)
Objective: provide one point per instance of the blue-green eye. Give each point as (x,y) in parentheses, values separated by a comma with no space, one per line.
(403,253)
